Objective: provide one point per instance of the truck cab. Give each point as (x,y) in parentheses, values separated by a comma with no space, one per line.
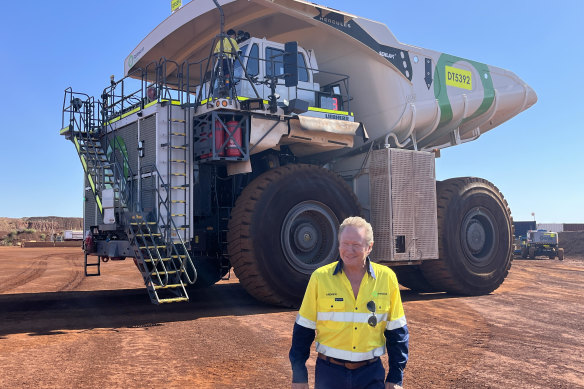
(263,59)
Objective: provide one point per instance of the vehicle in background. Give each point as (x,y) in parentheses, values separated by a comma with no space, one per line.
(72,235)
(540,243)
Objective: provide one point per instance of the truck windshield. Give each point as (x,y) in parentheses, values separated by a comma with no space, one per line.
(274,61)
(237,70)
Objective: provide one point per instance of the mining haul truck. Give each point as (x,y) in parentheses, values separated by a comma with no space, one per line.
(206,156)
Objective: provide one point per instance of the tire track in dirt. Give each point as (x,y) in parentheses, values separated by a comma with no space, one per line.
(77,276)
(33,271)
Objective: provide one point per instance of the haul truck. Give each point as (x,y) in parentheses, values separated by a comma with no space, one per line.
(201,159)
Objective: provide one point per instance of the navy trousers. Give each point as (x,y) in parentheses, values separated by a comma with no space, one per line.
(330,376)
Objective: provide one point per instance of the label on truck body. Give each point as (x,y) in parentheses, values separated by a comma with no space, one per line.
(458,78)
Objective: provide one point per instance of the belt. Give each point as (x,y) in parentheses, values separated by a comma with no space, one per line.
(347,365)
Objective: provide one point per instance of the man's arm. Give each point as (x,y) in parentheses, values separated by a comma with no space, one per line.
(397,343)
(302,338)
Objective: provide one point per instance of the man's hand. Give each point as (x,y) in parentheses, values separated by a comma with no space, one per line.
(390,385)
(301,385)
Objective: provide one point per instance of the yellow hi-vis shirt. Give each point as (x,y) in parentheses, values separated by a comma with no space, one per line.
(230,47)
(340,320)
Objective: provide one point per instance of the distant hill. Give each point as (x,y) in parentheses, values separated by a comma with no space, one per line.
(15,230)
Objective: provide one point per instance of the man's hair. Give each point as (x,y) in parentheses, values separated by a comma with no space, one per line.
(358,222)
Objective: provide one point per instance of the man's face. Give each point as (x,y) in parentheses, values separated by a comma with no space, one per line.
(353,246)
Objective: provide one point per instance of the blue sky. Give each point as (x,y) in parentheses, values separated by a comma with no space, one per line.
(534,159)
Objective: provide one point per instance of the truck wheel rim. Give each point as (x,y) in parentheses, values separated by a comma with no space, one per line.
(478,236)
(308,236)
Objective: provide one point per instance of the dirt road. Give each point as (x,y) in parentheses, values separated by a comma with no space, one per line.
(59,329)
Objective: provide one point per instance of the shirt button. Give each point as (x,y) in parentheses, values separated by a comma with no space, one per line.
(355,327)
(354,347)
(355,308)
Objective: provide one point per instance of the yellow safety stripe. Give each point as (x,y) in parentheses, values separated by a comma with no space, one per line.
(150,104)
(83,163)
(330,111)
(76,144)
(113,120)
(98,201)
(91,182)
(64,130)
(239,98)
(173,102)
(131,112)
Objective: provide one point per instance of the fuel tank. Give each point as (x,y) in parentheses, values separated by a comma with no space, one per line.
(407,96)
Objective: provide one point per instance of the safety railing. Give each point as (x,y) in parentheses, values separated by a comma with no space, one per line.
(191,83)
(166,222)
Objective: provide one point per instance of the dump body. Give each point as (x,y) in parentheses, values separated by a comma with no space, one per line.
(420,98)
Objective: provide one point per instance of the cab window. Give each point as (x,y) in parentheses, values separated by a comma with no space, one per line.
(274,66)
(253,62)
(302,71)
(237,71)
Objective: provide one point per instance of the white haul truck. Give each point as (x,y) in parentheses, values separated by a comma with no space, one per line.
(202,158)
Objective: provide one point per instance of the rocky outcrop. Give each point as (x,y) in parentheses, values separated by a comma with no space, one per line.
(46,224)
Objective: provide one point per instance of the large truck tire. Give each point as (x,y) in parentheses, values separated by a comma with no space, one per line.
(532,252)
(413,278)
(524,252)
(283,226)
(475,236)
(561,254)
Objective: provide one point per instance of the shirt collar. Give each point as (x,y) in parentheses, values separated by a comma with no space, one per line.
(368,267)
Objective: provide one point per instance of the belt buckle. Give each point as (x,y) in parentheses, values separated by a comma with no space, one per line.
(354,365)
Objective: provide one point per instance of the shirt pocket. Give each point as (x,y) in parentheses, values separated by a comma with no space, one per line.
(382,308)
(332,313)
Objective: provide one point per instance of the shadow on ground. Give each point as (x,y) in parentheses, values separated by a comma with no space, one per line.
(54,312)
(45,313)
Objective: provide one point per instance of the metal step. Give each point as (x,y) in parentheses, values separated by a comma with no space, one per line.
(169,286)
(148,260)
(173,300)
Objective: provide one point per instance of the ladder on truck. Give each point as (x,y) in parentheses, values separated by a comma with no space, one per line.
(177,187)
(165,265)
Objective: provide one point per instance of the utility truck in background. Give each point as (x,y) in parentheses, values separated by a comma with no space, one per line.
(541,242)
(203,158)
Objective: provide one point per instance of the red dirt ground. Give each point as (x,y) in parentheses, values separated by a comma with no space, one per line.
(60,329)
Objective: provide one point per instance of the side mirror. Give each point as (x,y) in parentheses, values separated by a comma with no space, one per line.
(291,64)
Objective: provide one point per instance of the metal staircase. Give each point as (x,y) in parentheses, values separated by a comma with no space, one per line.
(159,248)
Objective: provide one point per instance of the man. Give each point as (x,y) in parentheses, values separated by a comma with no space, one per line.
(354,305)
(225,59)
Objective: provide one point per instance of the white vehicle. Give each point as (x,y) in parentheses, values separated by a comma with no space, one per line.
(253,159)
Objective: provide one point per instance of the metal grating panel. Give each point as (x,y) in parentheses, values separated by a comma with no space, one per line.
(425,208)
(380,206)
(402,188)
(89,210)
(148,136)
(403,203)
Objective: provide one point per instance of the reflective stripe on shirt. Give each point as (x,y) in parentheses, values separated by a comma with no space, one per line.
(351,317)
(349,355)
(304,322)
(392,325)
